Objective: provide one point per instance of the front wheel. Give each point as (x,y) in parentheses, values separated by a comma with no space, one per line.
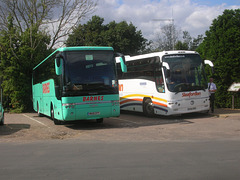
(148,108)
(56,122)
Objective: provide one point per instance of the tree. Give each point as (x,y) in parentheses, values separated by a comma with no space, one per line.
(29,31)
(56,17)
(16,64)
(88,34)
(123,37)
(189,43)
(196,42)
(168,37)
(181,45)
(222,46)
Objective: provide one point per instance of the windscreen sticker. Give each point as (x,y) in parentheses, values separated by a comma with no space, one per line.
(174,56)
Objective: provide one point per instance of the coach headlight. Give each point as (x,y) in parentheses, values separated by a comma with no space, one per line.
(172,103)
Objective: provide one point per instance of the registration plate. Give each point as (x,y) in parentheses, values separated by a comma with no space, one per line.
(189,109)
(93,113)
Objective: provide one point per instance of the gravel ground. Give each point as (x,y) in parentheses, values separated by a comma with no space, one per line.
(224,123)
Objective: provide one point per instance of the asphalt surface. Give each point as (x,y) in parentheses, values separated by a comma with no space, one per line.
(73,159)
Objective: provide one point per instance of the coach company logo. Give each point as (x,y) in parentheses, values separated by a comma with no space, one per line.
(46,88)
(93,98)
(190,94)
(120,87)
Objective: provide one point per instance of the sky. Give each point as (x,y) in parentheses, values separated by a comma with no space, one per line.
(194,16)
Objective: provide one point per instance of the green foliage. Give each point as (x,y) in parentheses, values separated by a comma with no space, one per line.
(18,57)
(123,37)
(189,43)
(222,46)
(181,45)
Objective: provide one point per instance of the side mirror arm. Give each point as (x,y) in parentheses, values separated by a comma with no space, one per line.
(208,62)
(59,64)
(122,61)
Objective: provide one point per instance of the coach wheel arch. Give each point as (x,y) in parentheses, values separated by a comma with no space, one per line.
(148,108)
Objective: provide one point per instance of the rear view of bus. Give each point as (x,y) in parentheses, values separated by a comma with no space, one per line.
(76,83)
(165,83)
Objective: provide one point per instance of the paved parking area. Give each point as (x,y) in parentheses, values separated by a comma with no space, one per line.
(28,127)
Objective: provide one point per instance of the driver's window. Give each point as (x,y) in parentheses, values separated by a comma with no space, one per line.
(159,82)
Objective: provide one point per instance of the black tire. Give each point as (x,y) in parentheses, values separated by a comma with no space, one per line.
(38,111)
(56,122)
(148,108)
(99,120)
(2,120)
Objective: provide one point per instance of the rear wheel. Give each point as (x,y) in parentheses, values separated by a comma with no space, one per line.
(38,111)
(148,108)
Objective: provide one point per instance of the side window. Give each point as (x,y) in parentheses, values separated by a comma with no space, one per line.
(159,82)
(45,72)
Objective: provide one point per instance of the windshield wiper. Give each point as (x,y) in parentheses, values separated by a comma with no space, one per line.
(177,92)
(188,87)
(198,88)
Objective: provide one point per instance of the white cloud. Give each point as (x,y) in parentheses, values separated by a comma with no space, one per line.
(201,18)
(187,15)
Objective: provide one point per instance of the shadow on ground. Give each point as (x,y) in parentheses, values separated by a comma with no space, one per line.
(8,129)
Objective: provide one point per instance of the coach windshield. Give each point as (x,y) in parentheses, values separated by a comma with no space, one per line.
(186,73)
(89,73)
